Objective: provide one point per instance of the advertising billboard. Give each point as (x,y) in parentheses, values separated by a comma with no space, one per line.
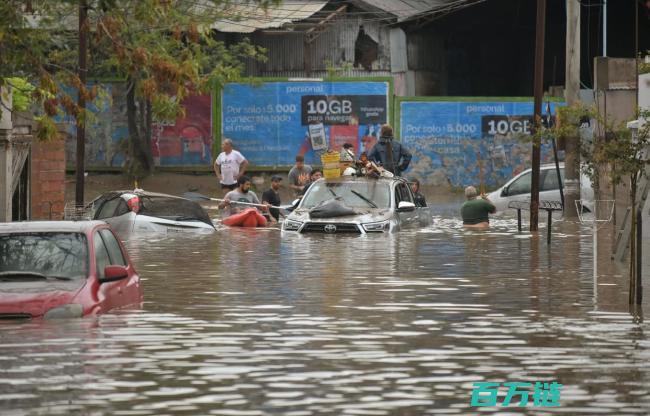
(272,122)
(455,142)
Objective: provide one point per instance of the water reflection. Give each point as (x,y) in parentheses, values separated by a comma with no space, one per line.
(250,322)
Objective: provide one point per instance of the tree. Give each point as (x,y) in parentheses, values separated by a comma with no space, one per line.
(621,156)
(164,49)
(30,54)
(626,157)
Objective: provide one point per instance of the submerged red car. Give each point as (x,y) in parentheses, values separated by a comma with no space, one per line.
(63,269)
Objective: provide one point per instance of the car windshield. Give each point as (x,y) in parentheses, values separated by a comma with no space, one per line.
(176,209)
(48,254)
(361,194)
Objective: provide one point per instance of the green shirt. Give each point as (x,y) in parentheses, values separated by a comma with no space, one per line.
(476,211)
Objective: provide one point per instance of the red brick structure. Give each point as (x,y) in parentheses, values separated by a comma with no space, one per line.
(48,179)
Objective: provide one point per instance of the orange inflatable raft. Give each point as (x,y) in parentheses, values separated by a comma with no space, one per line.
(250,217)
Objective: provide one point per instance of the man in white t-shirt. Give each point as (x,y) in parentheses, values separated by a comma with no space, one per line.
(229,166)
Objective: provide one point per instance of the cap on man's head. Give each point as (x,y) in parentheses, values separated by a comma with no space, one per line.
(276,178)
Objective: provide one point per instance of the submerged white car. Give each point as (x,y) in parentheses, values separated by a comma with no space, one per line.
(357,205)
(518,188)
(129,211)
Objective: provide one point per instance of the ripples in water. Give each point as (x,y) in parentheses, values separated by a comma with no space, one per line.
(250,322)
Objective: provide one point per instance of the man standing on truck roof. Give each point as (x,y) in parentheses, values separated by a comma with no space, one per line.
(391,154)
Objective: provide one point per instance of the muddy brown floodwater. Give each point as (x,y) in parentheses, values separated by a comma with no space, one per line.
(253,322)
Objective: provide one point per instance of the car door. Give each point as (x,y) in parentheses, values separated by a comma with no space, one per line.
(123,218)
(116,212)
(518,190)
(408,218)
(422,214)
(109,294)
(549,190)
(128,288)
(96,204)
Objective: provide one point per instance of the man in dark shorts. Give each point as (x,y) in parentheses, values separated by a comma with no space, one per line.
(229,166)
(272,196)
(476,209)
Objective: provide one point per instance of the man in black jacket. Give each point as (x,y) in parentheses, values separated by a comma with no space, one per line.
(391,154)
(272,196)
(418,197)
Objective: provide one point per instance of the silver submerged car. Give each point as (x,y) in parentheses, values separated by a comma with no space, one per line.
(518,189)
(128,211)
(357,205)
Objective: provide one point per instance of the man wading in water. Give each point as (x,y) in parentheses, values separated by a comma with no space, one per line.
(241,194)
(229,166)
(475,210)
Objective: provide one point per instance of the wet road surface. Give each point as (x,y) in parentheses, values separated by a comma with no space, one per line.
(250,322)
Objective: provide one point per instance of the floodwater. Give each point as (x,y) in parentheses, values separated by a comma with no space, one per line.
(252,322)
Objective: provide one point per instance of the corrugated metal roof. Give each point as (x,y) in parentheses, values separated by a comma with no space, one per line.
(334,47)
(246,17)
(355,73)
(410,9)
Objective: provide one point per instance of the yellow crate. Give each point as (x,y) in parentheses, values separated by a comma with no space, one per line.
(330,161)
(332,173)
(330,157)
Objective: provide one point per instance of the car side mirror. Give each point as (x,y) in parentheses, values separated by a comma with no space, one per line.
(113,274)
(405,206)
(296,201)
(504,191)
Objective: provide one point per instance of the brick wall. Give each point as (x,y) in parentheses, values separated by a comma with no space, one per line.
(48,179)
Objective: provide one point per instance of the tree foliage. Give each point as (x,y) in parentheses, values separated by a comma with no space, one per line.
(644,67)
(619,152)
(164,49)
(625,153)
(624,158)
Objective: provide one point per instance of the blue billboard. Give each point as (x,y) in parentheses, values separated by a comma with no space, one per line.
(448,139)
(106,127)
(272,122)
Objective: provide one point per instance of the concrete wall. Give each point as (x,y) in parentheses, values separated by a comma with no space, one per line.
(644,91)
(5,113)
(644,103)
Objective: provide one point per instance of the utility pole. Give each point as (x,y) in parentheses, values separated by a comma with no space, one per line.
(81,102)
(604,27)
(539,92)
(572,97)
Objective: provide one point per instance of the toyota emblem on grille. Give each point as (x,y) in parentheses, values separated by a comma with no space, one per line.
(330,228)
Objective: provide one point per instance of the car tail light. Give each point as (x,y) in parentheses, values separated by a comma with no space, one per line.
(134,204)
